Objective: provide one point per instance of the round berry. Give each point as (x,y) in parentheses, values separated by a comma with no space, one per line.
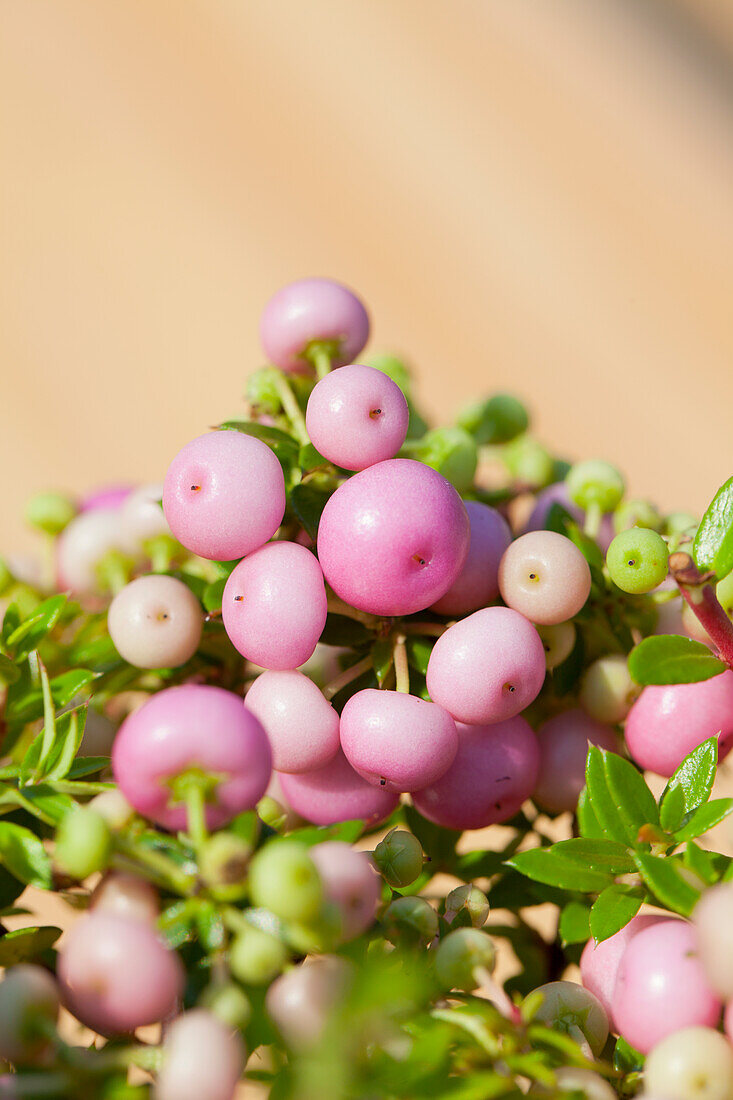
(470,900)
(544,576)
(274,605)
(450,451)
(599,962)
(494,772)
(558,640)
(350,883)
(114,808)
(50,512)
(477,585)
(196,728)
(498,419)
(284,879)
(83,843)
(107,496)
(461,956)
(661,986)
(529,462)
(228,1002)
(313,311)
(256,956)
(302,726)
(558,494)
(410,921)
(357,416)
(141,516)
(399,857)
(223,863)
(201,1057)
(595,483)
(607,691)
(576,1081)
(569,1007)
(335,793)
(713,918)
(300,1002)
(155,622)
(564,742)
(28,997)
(487,667)
(695,1063)
(82,545)
(393,538)
(637,560)
(397,741)
(224,495)
(126,896)
(667,722)
(636,513)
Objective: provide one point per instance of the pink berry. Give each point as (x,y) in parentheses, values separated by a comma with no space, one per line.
(155,622)
(357,416)
(599,962)
(302,726)
(313,311)
(661,986)
(544,576)
(713,919)
(224,495)
(202,1057)
(728,1020)
(487,667)
(81,546)
(494,772)
(301,1000)
(350,882)
(28,996)
(477,585)
(396,740)
(558,494)
(191,727)
(336,793)
(666,723)
(116,975)
(108,496)
(563,742)
(274,605)
(142,517)
(393,538)
(126,896)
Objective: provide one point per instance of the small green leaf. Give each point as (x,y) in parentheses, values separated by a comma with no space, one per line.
(10,888)
(418,652)
(626,1058)
(672,659)
(666,881)
(574,925)
(209,926)
(24,855)
(69,733)
(9,673)
(588,823)
(690,786)
(342,631)
(308,503)
(704,818)
(29,633)
(603,803)
(713,544)
(382,658)
(699,861)
(636,804)
(347,831)
(283,445)
(310,459)
(213,595)
(26,943)
(570,869)
(613,909)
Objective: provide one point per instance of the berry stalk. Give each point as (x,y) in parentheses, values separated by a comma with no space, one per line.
(698,590)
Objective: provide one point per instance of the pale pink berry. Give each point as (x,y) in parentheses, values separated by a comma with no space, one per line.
(312,311)
(396,740)
(713,918)
(336,792)
(82,545)
(141,516)
(350,882)
(695,1063)
(28,995)
(487,667)
(393,538)
(274,605)
(202,1057)
(127,896)
(599,962)
(544,576)
(477,585)
(357,416)
(564,742)
(155,622)
(224,495)
(301,725)
(301,1000)
(494,772)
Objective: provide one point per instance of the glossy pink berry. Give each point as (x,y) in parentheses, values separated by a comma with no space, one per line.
(666,723)
(350,882)
(477,585)
(564,742)
(155,622)
(599,962)
(82,545)
(224,495)
(274,605)
(487,667)
(202,1057)
(494,772)
(661,986)
(192,728)
(336,793)
(544,576)
(393,538)
(117,975)
(301,725)
(357,416)
(396,740)
(313,311)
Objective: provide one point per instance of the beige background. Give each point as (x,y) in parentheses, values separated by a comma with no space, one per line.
(529,195)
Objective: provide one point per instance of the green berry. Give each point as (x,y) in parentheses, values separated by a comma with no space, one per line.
(595,484)
(558,640)
(230,1003)
(394,368)
(283,879)
(636,513)
(450,451)
(568,1007)
(460,957)
(680,523)
(399,857)
(83,843)
(272,812)
(49,512)
(411,922)
(6,577)
(223,863)
(637,560)
(468,900)
(499,419)
(529,462)
(256,957)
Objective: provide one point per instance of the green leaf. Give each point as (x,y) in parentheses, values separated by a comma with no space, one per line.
(578,864)
(213,595)
(636,803)
(347,831)
(310,459)
(418,652)
(704,818)
(713,544)
(672,659)
(604,803)
(308,503)
(699,861)
(666,881)
(24,855)
(26,943)
(382,658)
(690,785)
(613,909)
(87,765)
(29,633)
(342,631)
(9,673)
(626,1058)
(10,888)
(574,925)
(588,823)
(209,926)
(283,445)
(69,734)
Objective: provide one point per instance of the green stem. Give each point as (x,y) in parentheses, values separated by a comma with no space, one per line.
(291,406)
(401,665)
(320,357)
(593,517)
(346,677)
(49,720)
(337,606)
(196,815)
(162,868)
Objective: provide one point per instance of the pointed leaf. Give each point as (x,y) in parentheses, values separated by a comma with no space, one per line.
(672,659)
(574,926)
(690,785)
(666,882)
(613,909)
(713,545)
(704,818)
(636,803)
(24,855)
(26,943)
(549,866)
(587,821)
(603,802)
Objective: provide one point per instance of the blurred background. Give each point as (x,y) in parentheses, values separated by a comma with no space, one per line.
(529,196)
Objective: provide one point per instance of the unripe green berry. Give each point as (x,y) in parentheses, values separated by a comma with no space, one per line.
(595,484)
(399,857)
(262,390)
(49,512)
(83,843)
(568,1007)
(230,1003)
(499,419)
(452,452)
(637,560)
(256,957)
(394,368)
(470,900)
(271,812)
(283,878)
(529,462)
(636,513)
(461,956)
(223,863)
(410,922)
(607,691)
(680,523)
(113,807)
(558,640)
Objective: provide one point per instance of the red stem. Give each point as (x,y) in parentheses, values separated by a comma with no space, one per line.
(698,590)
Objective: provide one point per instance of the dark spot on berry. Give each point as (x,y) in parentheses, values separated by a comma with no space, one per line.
(497,805)
(533,576)
(503,779)
(375,413)
(510,688)
(631,561)
(195,488)
(382,782)
(238,598)
(419,559)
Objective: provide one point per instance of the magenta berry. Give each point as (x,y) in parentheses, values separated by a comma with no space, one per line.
(666,723)
(477,585)
(116,975)
(396,740)
(599,962)
(336,793)
(350,882)
(202,1057)
(357,416)
(274,606)
(487,667)
(224,495)
(107,496)
(301,725)
(661,986)
(313,311)
(564,742)
(198,729)
(494,772)
(155,622)
(393,538)
(544,576)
